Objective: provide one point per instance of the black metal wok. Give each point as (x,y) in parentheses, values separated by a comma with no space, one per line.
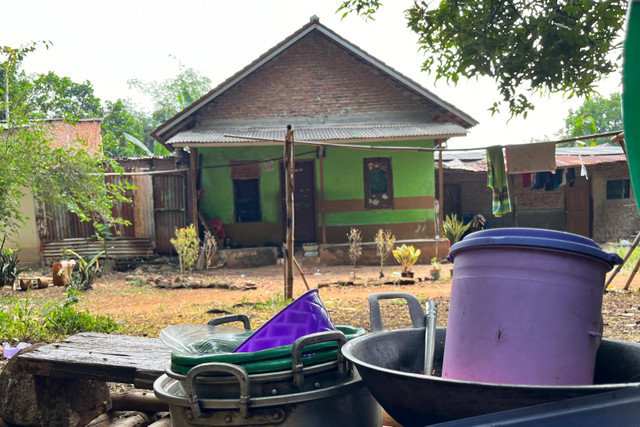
(391,364)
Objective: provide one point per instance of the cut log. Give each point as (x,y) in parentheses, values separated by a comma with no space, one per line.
(163,422)
(138,401)
(120,419)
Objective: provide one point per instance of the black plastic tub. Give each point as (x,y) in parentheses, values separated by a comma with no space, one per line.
(391,365)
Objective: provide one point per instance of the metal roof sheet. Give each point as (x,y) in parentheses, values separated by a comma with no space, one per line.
(353,132)
(566,157)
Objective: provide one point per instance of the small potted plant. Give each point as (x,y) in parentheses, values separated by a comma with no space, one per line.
(406,256)
(434,271)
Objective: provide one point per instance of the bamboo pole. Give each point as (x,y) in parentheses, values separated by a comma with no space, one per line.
(193,201)
(304,279)
(633,273)
(624,260)
(323,214)
(289,167)
(441,193)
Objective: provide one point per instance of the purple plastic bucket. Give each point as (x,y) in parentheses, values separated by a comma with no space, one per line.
(525,307)
(305,315)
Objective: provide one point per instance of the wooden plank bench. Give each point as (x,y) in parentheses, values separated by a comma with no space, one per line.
(58,368)
(110,358)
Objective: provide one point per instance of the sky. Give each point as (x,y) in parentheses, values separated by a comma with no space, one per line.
(109,43)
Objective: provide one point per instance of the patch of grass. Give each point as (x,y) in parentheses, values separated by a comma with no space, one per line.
(276,302)
(137,282)
(30,320)
(622,251)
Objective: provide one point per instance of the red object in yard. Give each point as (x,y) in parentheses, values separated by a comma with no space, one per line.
(216,226)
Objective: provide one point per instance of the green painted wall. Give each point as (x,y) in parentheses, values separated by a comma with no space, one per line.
(413,175)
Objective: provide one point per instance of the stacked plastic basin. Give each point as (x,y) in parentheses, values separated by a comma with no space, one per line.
(289,372)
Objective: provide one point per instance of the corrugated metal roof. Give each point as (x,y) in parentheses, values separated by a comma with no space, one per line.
(565,157)
(180,120)
(466,156)
(354,132)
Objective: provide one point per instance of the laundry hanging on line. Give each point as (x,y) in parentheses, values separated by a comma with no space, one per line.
(551,181)
(535,157)
(497,181)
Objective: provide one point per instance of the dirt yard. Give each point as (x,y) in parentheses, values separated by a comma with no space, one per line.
(135,299)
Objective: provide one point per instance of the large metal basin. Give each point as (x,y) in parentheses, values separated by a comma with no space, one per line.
(391,364)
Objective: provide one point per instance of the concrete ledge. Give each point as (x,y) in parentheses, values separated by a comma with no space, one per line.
(249,257)
(338,254)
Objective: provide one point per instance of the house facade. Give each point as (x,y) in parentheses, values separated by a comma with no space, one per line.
(599,205)
(332,92)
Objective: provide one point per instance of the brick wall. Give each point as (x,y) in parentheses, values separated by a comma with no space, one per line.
(612,219)
(84,133)
(313,78)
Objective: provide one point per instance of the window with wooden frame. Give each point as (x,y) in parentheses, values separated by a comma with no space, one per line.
(246,191)
(378,183)
(618,189)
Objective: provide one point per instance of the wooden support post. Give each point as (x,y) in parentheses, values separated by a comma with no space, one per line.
(289,167)
(440,191)
(323,214)
(624,260)
(193,200)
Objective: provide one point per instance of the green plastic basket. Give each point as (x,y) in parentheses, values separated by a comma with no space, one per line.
(269,360)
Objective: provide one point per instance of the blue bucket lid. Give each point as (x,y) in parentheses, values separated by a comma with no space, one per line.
(535,237)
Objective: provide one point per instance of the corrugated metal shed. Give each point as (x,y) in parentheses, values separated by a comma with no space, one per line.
(325,133)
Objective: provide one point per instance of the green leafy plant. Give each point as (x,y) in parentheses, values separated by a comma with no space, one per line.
(384,246)
(9,270)
(454,229)
(83,274)
(278,301)
(63,319)
(435,265)
(355,247)
(187,245)
(407,256)
(30,320)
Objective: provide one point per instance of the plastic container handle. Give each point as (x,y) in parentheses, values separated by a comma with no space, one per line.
(300,343)
(237,371)
(416,312)
(231,318)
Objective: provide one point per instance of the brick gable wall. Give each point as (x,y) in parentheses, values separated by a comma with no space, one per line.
(315,78)
(64,135)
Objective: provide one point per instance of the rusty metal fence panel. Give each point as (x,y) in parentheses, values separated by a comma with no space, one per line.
(170,207)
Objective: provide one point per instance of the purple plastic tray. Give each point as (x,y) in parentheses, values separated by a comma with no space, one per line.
(305,315)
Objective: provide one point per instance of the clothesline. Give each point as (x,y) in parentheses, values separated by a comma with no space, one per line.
(436,149)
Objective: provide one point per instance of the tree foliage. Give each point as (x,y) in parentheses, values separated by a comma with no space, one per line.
(169,97)
(68,176)
(524,45)
(595,115)
(52,96)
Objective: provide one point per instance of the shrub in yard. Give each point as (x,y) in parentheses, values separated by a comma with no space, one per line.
(355,247)
(83,273)
(63,319)
(26,320)
(187,245)
(384,246)
(9,270)
(454,229)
